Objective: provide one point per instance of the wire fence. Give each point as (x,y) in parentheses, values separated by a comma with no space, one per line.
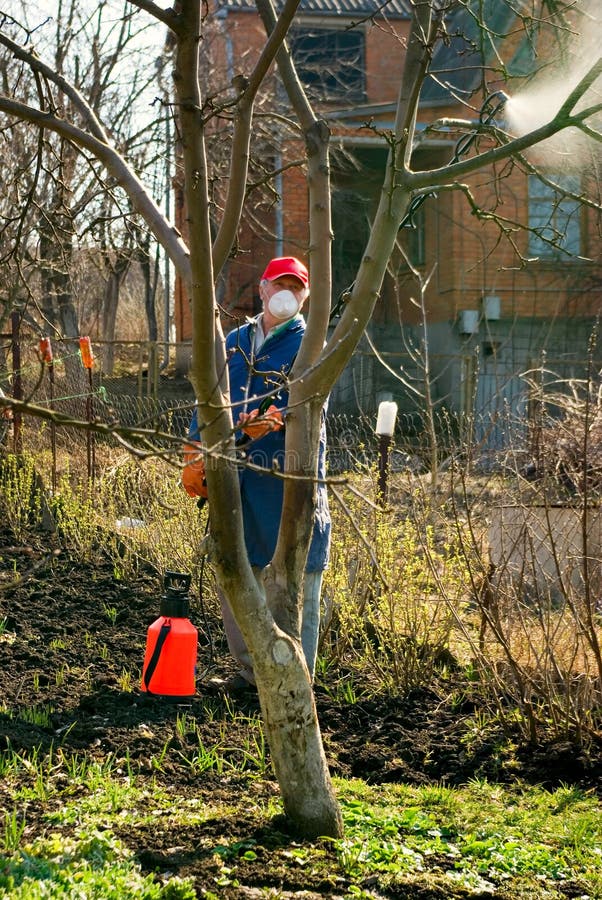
(138,394)
(495,423)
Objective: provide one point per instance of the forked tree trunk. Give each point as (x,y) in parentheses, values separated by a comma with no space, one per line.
(282,677)
(271,627)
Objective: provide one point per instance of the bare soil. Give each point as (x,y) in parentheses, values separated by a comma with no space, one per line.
(54,619)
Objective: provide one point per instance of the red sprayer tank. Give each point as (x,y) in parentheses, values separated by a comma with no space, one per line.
(171,643)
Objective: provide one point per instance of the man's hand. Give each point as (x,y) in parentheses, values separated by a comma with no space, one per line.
(193,473)
(255,426)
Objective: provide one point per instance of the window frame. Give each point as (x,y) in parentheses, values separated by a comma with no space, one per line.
(322,85)
(556,216)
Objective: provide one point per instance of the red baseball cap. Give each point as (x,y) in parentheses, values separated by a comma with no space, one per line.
(286,265)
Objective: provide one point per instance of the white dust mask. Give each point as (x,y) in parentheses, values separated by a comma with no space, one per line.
(283,305)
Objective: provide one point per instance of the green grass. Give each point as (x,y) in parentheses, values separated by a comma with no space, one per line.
(479,836)
(90,864)
(62,834)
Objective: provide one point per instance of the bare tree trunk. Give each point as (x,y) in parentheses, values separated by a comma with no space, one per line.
(110,305)
(47,304)
(291,724)
(289,712)
(56,245)
(284,682)
(150,289)
(56,255)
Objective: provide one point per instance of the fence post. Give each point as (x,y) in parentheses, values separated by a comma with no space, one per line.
(45,348)
(385,428)
(15,319)
(468,377)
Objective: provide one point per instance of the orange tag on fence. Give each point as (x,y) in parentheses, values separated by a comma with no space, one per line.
(45,348)
(85,349)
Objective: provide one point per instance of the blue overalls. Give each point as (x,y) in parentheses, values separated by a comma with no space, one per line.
(253,375)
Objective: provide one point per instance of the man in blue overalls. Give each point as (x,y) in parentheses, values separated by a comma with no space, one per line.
(260,355)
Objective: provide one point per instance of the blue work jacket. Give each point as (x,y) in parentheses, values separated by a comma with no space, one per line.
(252,376)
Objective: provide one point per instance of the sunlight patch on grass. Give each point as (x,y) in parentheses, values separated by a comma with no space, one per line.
(90,864)
(477,836)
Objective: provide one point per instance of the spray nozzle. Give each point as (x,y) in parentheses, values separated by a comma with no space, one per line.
(177,583)
(491,106)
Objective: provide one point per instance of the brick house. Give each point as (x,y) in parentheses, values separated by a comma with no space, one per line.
(488,317)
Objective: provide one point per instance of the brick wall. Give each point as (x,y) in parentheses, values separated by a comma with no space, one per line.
(385,49)
(469,259)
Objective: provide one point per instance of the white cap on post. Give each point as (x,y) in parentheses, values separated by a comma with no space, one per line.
(385,421)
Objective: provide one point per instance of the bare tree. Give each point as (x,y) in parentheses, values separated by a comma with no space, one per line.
(61,201)
(271,625)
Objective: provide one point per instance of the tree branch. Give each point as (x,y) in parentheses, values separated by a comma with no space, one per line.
(241,139)
(91,122)
(393,203)
(168,16)
(124,176)
(514,146)
(317,137)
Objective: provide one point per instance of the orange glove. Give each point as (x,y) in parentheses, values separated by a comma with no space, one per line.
(255,426)
(193,473)
(5,411)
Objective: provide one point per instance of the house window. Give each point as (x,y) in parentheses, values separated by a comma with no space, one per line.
(555,219)
(331,64)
